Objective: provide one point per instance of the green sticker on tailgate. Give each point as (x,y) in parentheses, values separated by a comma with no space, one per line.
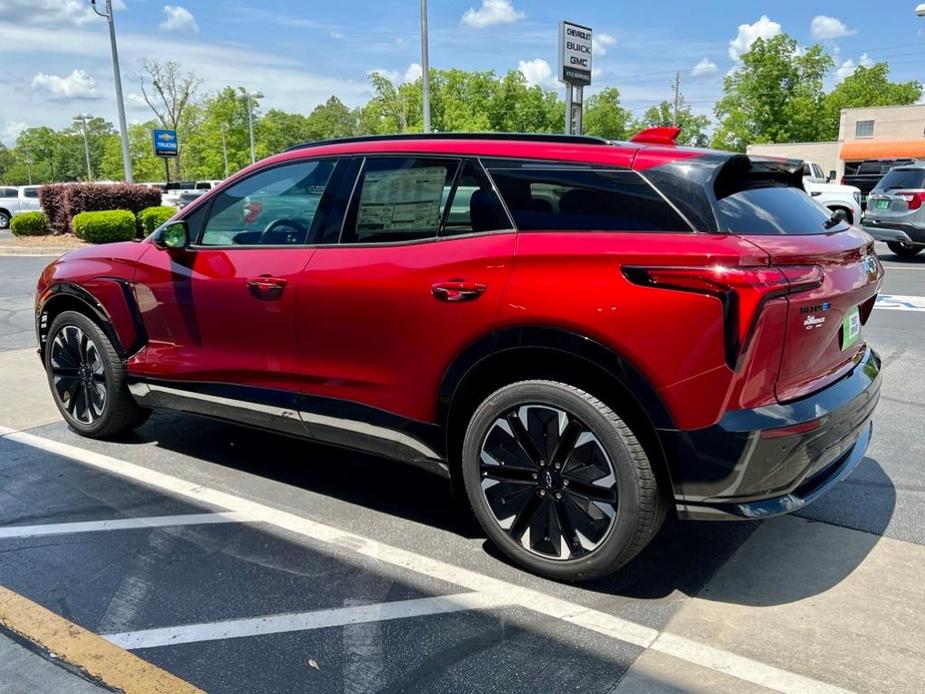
(850,328)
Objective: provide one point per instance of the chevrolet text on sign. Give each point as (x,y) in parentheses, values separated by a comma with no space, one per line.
(574,53)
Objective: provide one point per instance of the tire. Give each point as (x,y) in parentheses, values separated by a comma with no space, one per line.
(87,379)
(507,471)
(4,219)
(904,251)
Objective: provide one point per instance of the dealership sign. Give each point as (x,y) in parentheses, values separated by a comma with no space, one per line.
(165,143)
(574,54)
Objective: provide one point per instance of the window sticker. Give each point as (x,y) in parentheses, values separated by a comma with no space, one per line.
(405,199)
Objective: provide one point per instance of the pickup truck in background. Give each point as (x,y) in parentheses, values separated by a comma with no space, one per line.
(831,195)
(866,175)
(14,201)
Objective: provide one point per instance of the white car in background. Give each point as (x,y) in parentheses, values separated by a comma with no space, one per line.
(16,200)
(832,195)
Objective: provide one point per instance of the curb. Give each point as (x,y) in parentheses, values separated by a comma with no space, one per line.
(34,251)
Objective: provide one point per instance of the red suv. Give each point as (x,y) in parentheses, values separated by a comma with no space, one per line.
(579,334)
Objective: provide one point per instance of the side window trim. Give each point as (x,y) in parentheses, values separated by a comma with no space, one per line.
(451,197)
(667,201)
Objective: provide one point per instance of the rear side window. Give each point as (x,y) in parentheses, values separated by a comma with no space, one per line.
(399,199)
(30,192)
(773,210)
(902,178)
(474,205)
(583,199)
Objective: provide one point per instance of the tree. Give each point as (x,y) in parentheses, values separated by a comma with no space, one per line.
(327,121)
(774,96)
(693,127)
(605,117)
(171,96)
(867,86)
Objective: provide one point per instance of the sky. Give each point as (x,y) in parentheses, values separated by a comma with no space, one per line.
(56,57)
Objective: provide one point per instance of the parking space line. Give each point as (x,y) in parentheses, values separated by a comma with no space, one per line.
(573,613)
(306,621)
(14,531)
(898,302)
(102,660)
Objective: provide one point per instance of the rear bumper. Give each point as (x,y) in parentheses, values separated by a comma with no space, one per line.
(775,459)
(893,231)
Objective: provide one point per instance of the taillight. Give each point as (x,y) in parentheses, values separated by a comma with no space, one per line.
(914,199)
(742,292)
(843,181)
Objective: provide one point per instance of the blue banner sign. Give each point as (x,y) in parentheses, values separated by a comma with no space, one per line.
(165,143)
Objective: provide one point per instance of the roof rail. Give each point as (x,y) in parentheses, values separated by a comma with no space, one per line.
(525,137)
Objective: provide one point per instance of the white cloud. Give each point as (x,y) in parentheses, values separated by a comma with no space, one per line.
(492,12)
(414,72)
(537,72)
(764,28)
(50,12)
(178,19)
(77,85)
(601,42)
(824,28)
(704,67)
(337,35)
(848,67)
(135,99)
(11,130)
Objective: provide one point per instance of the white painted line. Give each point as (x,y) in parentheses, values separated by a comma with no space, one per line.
(305,621)
(593,620)
(896,302)
(740,667)
(120,524)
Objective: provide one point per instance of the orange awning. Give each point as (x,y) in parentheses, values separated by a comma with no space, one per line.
(882,149)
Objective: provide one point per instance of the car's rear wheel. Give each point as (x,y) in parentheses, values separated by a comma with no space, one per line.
(904,250)
(87,378)
(558,481)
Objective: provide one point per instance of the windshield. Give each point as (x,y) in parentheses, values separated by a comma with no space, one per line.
(902,178)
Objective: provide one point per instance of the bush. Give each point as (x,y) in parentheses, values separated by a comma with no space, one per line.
(29,224)
(53,198)
(151,218)
(105,227)
(63,202)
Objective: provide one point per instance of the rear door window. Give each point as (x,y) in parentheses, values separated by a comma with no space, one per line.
(902,178)
(567,198)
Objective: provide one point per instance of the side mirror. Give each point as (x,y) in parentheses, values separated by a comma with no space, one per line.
(832,176)
(172,236)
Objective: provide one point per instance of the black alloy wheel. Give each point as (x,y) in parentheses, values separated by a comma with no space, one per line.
(78,375)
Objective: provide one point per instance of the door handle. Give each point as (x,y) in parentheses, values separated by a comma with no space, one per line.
(458,290)
(266,286)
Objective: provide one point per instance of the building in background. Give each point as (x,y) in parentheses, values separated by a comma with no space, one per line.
(876,132)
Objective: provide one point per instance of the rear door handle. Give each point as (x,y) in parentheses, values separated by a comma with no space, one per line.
(267,286)
(458,290)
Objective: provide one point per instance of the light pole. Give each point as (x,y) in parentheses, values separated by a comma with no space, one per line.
(249,97)
(82,119)
(27,160)
(425,66)
(223,127)
(117,76)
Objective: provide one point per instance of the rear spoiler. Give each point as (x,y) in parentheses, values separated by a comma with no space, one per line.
(657,136)
(742,172)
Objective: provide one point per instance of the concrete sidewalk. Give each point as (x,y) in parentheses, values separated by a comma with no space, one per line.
(25,672)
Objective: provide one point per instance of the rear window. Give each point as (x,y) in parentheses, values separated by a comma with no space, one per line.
(902,178)
(773,210)
(582,199)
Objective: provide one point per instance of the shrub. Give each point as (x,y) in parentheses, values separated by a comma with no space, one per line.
(53,198)
(151,218)
(105,226)
(29,224)
(62,202)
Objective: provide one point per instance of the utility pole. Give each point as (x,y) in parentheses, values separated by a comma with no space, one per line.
(249,97)
(27,160)
(223,127)
(425,66)
(677,96)
(117,77)
(82,118)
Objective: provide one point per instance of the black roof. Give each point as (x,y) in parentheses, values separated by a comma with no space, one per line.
(527,137)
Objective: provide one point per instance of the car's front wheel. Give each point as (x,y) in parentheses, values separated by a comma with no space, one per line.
(558,481)
(904,250)
(4,219)
(87,378)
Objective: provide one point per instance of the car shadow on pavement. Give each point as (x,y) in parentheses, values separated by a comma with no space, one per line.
(682,558)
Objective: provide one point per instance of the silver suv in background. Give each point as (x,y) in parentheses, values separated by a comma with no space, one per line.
(14,201)
(896,210)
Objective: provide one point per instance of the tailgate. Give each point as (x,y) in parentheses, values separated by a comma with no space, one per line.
(823,337)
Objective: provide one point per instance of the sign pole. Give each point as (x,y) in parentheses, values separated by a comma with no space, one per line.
(569,122)
(579,110)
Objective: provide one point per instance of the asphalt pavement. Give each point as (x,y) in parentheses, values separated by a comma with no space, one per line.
(240,561)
